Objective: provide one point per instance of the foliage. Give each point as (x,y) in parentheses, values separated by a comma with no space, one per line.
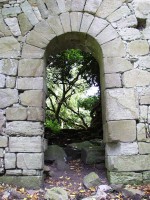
(53,125)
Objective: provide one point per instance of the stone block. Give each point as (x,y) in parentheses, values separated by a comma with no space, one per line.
(2,81)
(11,82)
(110,49)
(24,128)
(86,22)
(128,163)
(1,153)
(123,131)
(24,23)
(52,6)
(45,30)
(123,11)
(146,176)
(25,144)
(143,113)
(12,23)
(141,8)
(4,29)
(91,180)
(29,51)
(16,113)
(146,33)
(34,182)
(3,141)
(31,68)
(107,7)
(32,98)
(29,172)
(30,83)
(10,160)
(136,78)
(144,148)
(125,178)
(27,9)
(2,120)
(130,34)
(65,20)
(9,67)
(15,172)
(36,114)
(97,26)
(91,6)
(145,96)
(1,163)
(75,18)
(144,62)
(77,5)
(34,36)
(30,160)
(128,21)
(142,132)
(115,149)
(9,47)
(113,65)
(121,104)
(113,80)
(11,11)
(8,97)
(55,23)
(138,48)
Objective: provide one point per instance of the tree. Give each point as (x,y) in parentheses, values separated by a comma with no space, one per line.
(69,74)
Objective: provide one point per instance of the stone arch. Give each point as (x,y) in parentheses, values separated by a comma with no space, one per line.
(105,31)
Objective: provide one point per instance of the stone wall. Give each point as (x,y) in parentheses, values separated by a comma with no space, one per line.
(117,32)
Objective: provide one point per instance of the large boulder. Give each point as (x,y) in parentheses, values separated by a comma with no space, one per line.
(91,180)
(81,145)
(56,193)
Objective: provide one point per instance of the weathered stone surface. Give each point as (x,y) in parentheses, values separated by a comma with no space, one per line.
(110,49)
(123,131)
(3,141)
(143,113)
(142,8)
(16,113)
(29,51)
(105,35)
(11,11)
(138,47)
(145,96)
(24,128)
(55,23)
(124,177)
(77,5)
(146,33)
(121,104)
(1,163)
(107,7)
(10,160)
(113,65)
(113,80)
(135,78)
(97,26)
(1,153)
(36,114)
(25,144)
(56,193)
(119,13)
(8,97)
(91,180)
(130,34)
(142,132)
(37,13)
(2,120)
(32,98)
(27,9)
(13,25)
(30,83)
(31,67)
(31,172)
(30,160)
(10,82)
(9,47)
(91,6)
(65,20)
(52,7)
(34,36)
(45,30)
(86,22)
(144,148)
(75,18)
(115,149)
(146,176)
(9,66)
(3,28)
(42,8)
(128,163)
(15,172)
(129,21)
(24,23)
(144,62)
(34,182)
(2,81)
